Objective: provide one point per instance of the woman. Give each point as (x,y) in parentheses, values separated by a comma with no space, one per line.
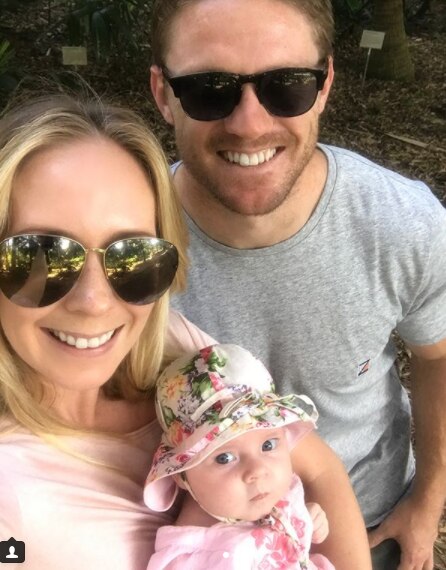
(79,352)
(90,239)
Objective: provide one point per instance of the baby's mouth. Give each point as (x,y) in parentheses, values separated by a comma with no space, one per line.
(259,497)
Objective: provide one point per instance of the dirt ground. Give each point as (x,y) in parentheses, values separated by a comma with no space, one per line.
(401,126)
(364,119)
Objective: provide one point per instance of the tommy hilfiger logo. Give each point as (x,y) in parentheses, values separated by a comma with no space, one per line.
(363,367)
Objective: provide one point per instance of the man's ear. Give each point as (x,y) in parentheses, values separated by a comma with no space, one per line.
(323,94)
(179,481)
(159,88)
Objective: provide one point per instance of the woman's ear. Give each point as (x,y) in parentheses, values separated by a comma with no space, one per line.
(159,91)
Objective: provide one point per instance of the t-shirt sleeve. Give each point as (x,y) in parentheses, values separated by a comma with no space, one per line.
(425,321)
(183,336)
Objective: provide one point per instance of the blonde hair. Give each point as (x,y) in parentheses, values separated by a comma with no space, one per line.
(41,124)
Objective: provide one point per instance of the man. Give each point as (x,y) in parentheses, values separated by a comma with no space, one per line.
(307,255)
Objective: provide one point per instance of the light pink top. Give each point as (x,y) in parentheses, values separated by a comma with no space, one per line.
(243,546)
(74,515)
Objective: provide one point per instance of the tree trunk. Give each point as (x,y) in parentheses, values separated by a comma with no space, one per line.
(393,61)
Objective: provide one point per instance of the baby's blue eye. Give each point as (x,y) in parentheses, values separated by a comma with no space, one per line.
(224,458)
(270,444)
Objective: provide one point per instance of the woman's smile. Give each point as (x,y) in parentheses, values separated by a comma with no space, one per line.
(81,341)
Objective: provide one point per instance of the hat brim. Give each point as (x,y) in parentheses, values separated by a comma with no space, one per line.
(161,490)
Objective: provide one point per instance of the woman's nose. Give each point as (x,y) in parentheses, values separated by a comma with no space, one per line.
(92,293)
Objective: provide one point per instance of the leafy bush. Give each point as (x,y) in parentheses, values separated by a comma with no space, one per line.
(7,79)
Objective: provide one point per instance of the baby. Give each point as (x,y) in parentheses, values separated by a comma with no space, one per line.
(227,441)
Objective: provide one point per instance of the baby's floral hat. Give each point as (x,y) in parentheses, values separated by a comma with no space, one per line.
(205,399)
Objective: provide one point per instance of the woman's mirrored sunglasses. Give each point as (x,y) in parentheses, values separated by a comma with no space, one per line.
(38,270)
(213,95)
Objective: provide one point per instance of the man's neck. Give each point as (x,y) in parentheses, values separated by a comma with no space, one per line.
(249,232)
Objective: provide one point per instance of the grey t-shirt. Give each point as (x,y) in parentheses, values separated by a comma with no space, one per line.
(319,310)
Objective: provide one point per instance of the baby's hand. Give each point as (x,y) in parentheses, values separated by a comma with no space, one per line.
(320,522)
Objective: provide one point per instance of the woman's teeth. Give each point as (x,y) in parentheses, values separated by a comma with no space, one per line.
(253,159)
(80,342)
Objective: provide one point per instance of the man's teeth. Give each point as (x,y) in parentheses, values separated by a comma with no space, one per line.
(80,342)
(253,159)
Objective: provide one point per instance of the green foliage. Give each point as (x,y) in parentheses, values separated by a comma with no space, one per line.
(355,6)
(13,5)
(352,9)
(360,11)
(6,54)
(7,80)
(106,23)
(349,13)
(414,9)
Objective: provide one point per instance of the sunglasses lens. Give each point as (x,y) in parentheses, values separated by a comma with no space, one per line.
(38,270)
(208,96)
(141,270)
(288,93)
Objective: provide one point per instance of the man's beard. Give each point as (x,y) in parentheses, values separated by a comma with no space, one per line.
(211,187)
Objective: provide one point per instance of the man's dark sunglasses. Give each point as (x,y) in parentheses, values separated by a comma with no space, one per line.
(213,95)
(37,270)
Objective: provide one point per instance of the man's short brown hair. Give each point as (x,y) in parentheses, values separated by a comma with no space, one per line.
(319,14)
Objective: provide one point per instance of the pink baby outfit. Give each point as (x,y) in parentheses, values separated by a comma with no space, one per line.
(74,514)
(264,545)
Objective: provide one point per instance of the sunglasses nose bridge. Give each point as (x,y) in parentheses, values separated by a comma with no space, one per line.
(253,80)
(256,80)
(249,117)
(101,254)
(99,250)
(92,292)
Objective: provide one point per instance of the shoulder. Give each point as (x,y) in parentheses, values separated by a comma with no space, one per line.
(9,506)
(357,171)
(11,465)
(381,202)
(183,336)
(15,442)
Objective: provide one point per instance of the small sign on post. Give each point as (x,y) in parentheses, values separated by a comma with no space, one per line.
(74,55)
(371,40)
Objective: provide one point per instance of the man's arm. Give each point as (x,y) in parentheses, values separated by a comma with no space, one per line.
(414,522)
(326,482)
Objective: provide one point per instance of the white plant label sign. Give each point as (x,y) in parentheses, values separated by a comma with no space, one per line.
(74,55)
(372,40)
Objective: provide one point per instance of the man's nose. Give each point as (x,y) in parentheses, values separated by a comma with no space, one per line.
(249,119)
